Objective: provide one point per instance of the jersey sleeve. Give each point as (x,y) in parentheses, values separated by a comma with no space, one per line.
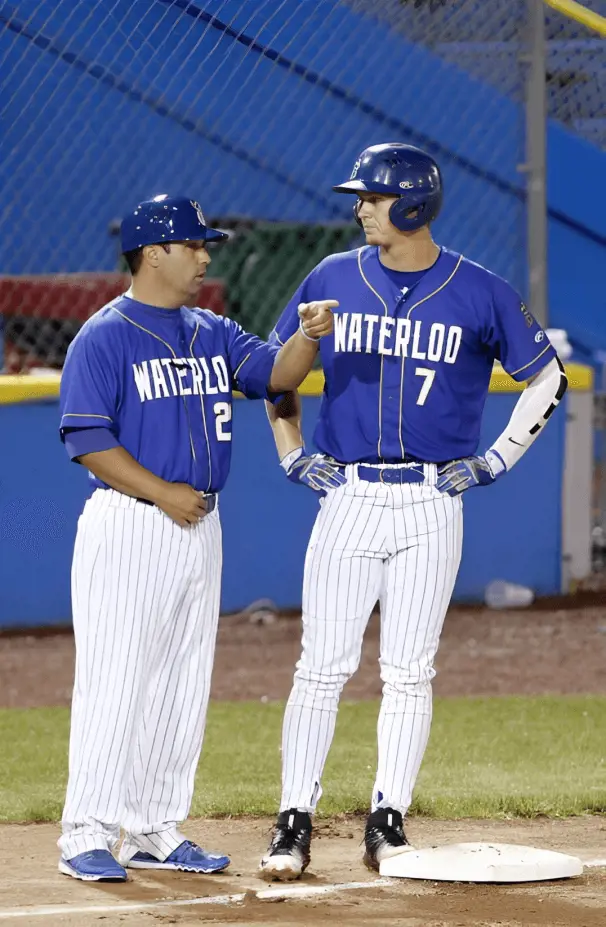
(288,322)
(251,361)
(514,335)
(89,384)
(81,441)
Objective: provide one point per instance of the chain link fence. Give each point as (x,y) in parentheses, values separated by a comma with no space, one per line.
(576,73)
(256,109)
(489,45)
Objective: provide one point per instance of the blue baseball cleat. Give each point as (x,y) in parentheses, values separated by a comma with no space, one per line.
(188,857)
(94,866)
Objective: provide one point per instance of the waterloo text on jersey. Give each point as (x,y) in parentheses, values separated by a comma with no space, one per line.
(358,332)
(160,378)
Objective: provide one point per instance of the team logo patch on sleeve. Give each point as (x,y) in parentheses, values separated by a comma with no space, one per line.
(528,316)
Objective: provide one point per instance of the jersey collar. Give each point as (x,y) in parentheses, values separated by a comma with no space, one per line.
(436,278)
(131,306)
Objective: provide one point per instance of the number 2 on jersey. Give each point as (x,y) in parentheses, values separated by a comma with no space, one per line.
(223,412)
(429,377)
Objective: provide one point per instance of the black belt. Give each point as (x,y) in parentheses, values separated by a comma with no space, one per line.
(210,498)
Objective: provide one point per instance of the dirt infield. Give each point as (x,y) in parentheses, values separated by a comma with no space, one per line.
(556,650)
(532,652)
(30,880)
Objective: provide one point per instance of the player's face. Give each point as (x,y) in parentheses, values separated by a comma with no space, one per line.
(373,213)
(183,267)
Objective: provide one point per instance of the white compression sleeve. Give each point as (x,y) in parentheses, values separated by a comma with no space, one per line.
(531,411)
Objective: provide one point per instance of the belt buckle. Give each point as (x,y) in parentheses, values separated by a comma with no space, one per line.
(397,474)
(211,501)
(419,469)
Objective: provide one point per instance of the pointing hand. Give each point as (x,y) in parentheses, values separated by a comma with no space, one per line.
(316,317)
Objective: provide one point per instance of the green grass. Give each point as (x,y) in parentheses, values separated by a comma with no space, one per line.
(486,758)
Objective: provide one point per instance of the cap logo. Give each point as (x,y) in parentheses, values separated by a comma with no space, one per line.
(406,184)
(356,168)
(199,212)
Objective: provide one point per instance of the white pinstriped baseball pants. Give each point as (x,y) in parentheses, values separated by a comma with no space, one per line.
(400,545)
(145,601)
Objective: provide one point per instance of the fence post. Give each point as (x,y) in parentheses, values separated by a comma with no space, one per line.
(536,131)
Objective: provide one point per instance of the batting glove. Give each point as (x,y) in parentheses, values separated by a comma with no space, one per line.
(458,475)
(312,471)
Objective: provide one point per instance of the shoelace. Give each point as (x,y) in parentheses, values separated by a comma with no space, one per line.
(389,834)
(283,837)
(187,846)
(287,836)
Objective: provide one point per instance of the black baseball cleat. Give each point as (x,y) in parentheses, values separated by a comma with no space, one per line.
(288,853)
(384,836)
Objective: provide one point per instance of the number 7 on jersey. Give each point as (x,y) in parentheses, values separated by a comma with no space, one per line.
(426,386)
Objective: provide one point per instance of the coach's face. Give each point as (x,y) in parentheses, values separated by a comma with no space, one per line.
(373,213)
(183,266)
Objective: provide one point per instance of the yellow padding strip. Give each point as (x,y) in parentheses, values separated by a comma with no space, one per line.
(25,388)
(28,388)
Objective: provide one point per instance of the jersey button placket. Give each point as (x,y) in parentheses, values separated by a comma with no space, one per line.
(390,440)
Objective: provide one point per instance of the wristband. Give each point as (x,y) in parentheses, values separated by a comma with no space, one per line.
(289,459)
(495,462)
(305,335)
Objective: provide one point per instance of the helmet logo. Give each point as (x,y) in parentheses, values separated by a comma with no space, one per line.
(356,168)
(406,184)
(199,212)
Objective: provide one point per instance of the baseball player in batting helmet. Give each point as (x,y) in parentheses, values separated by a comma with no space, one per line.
(407,372)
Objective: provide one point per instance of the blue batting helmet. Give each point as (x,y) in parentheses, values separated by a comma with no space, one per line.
(403,171)
(164,219)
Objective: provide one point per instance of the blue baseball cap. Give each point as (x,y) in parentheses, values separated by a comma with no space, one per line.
(163,219)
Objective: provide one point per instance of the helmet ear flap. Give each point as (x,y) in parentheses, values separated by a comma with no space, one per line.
(398,215)
(356,209)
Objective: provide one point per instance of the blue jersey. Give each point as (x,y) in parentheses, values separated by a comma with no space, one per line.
(160,380)
(407,374)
